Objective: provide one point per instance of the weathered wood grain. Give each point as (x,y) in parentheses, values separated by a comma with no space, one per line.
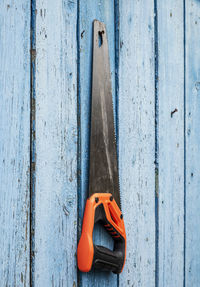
(151,158)
(56,144)
(137,139)
(170,142)
(192,136)
(88,11)
(14,142)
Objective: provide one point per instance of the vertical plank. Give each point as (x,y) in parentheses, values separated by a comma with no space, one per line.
(137,139)
(14,142)
(171,142)
(101,10)
(192,132)
(56,143)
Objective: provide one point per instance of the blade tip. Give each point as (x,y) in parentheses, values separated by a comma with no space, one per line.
(98,23)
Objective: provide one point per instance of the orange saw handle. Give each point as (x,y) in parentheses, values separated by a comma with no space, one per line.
(101,207)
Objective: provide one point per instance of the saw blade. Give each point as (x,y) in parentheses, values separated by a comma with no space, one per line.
(103,175)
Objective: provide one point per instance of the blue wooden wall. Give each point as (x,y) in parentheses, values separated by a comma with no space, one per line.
(45,88)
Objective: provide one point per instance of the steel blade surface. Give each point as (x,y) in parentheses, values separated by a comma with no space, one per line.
(103,175)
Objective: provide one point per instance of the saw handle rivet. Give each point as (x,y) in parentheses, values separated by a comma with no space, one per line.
(121,216)
(111,198)
(96,199)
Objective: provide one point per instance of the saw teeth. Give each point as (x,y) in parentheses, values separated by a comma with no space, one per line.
(115,127)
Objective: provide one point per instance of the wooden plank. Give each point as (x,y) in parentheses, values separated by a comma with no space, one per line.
(171,142)
(88,11)
(14,142)
(192,134)
(137,139)
(56,144)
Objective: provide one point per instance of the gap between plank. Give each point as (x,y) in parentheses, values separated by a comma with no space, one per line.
(156,147)
(116,39)
(32,139)
(79,281)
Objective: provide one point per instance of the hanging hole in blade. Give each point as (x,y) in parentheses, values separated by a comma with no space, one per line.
(100,38)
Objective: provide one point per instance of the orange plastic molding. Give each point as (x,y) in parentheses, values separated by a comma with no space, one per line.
(101,207)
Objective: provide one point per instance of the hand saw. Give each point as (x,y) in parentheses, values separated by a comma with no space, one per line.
(103,203)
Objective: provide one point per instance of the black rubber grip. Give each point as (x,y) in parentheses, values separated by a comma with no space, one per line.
(108,260)
(104,258)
